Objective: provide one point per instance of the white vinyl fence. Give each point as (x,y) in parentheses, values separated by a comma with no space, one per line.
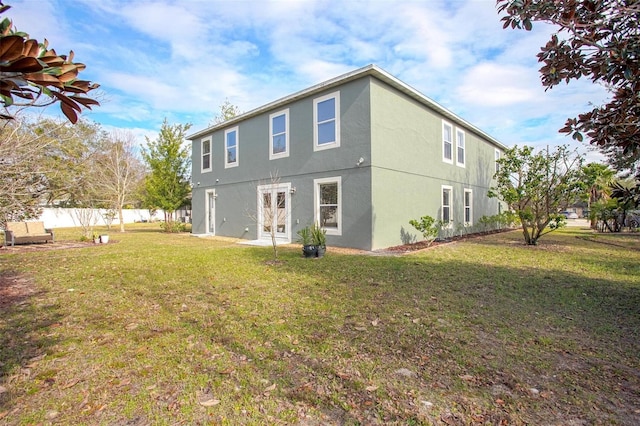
(63,217)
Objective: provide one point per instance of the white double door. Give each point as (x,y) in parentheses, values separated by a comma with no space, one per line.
(274,212)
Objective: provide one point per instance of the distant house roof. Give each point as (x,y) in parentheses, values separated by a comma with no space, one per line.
(369,70)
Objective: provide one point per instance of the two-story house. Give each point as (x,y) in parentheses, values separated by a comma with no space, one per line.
(361,154)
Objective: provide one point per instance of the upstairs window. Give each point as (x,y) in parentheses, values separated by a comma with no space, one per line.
(460,148)
(231,143)
(447,142)
(205,165)
(497,157)
(326,122)
(279,135)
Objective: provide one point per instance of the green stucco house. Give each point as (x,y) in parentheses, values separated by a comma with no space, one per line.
(361,154)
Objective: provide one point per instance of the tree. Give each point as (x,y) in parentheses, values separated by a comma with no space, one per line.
(46,162)
(596,180)
(22,172)
(118,172)
(167,184)
(69,161)
(38,76)
(227,112)
(598,39)
(538,186)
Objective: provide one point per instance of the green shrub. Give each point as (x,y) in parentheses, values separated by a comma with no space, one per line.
(427,226)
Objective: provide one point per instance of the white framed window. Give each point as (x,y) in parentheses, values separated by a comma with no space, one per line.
(231,145)
(326,122)
(328,204)
(460,148)
(279,134)
(205,150)
(497,157)
(447,200)
(468,207)
(447,142)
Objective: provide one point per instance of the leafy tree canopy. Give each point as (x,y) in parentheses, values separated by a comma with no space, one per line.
(538,186)
(600,40)
(227,112)
(167,184)
(31,74)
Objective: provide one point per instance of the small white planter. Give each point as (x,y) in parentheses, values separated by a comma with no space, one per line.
(104,239)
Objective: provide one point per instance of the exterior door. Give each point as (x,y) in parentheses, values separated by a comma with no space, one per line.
(274,212)
(211,212)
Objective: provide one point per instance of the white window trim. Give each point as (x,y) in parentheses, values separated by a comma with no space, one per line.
(271,187)
(496,156)
(450,126)
(442,189)
(336,144)
(464,147)
(316,202)
(464,216)
(228,165)
(207,218)
(284,154)
(210,168)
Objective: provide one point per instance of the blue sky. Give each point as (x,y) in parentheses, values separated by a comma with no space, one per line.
(180,60)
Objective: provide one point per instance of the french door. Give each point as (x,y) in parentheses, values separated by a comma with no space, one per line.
(274,212)
(211,212)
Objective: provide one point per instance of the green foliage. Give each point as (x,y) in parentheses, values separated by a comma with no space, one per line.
(227,112)
(600,42)
(318,235)
(427,226)
(304,236)
(167,184)
(173,226)
(537,187)
(618,212)
(502,220)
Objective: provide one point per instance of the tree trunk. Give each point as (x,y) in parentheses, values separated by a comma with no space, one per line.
(121,218)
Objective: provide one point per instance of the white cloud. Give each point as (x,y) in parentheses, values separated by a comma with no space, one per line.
(162,58)
(491,84)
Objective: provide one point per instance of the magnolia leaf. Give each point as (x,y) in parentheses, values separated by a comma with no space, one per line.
(43,79)
(23,65)
(66,100)
(86,102)
(11,48)
(68,76)
(31,48)
(69,113)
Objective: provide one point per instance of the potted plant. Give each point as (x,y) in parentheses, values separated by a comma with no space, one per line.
(319,239)
(96,238)
(306,239)
(104,238)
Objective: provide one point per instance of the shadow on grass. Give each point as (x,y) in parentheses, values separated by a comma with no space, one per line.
(21,326)
(514,326)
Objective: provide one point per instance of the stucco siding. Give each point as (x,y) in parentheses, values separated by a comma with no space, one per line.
(409,171)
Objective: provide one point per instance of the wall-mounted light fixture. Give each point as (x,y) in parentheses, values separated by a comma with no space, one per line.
(360,161)
(292,190)
(197,183)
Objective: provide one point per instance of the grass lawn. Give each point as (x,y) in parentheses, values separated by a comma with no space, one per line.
(171,329)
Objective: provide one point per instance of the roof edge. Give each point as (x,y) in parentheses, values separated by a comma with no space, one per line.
(372,70)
